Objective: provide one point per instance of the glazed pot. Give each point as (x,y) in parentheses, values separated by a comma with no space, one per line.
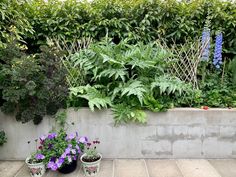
(35,169)
(68,168)
(91,168)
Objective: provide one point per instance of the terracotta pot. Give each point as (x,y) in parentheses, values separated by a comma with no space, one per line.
(91,168)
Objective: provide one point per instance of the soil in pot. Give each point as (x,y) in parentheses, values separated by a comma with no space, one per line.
(68,168)
(91,160)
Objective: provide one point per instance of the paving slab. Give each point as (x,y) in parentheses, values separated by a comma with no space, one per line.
(106,169)
(23,172)
(130,168)
(197,168)
(10,168)
(163,168)
(226,168)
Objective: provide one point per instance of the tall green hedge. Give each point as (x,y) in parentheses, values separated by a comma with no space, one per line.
(140,20)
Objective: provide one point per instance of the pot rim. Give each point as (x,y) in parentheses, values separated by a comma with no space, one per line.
(32,164)
(81,159)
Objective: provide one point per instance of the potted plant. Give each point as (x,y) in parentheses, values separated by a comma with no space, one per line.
(91,159)
(62,150)
(35,164)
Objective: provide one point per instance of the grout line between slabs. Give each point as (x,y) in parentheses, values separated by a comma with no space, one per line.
(145,164)
(176,162)
(113,167)
(18,171)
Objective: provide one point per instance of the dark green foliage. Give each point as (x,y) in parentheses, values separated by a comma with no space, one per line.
(32,85)
(141,20)
(3,138)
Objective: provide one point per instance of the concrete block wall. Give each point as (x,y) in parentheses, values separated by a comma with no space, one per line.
(177,133)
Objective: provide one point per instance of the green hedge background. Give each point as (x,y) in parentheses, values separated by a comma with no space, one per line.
(139,20)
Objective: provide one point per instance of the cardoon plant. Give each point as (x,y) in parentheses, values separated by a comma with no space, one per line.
(217,60)
(60,149)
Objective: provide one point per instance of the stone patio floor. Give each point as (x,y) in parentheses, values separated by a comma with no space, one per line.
(139,168)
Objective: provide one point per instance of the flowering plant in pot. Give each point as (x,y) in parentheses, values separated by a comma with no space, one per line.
(91,159)
(61,150)
(35,162)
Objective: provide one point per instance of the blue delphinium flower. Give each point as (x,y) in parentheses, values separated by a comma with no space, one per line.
(206,44)
(217,60)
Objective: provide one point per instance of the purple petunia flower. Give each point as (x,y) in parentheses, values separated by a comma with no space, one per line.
(77,134)
(70,137)
(83,139)
(52,135)
(78,149)
(206,35)
(217,60)
(43,137)
(67,151)
(63,155)
(59,162)
(52,166)
(39,156)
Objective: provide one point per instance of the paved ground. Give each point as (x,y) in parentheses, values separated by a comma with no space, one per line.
(139,168)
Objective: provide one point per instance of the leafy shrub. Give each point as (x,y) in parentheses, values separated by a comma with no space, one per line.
(118,76)
(13,22)
(32,85)
(3,138)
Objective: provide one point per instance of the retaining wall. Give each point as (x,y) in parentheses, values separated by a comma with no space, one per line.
(177,133)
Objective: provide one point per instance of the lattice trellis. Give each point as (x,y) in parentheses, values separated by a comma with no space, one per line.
(184,61)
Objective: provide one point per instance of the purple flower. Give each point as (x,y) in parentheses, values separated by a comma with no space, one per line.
(83,139)
(217,60)
(52,159)
(50,146)
(70,137)
(39,156)
(43,137)
(52,165)
(74,158)
(59,162)
(67,151)
(70,145)
(63,155)
(78,149)
(52,135)
(77,134)
(206,35)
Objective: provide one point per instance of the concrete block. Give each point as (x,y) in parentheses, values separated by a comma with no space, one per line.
(152,149)
(187,148)
(212,131)
(164,132)
(227,132)
(181,132)
(196,132)
(213,148)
